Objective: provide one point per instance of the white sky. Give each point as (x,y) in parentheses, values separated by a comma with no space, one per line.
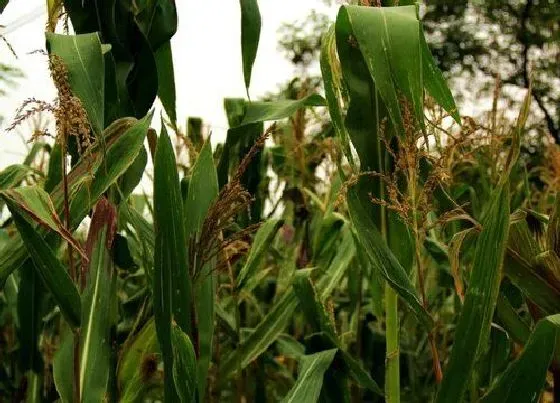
(207,57)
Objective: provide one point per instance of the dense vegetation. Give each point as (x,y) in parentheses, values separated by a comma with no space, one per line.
(371,244)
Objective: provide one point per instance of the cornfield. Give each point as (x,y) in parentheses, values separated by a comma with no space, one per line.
(360,243)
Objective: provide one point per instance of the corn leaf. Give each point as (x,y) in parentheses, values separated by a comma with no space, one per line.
(310,380)
(171,284)
(13,175)
(332,78)
(142,348)
(166,80)
(274,323)
(184,368)
(203,190)
(250,34)
(35,204)
(50,269)
(524,378)
(382,259)
(98,299)
(261,243)
(83,57)
(87,181)
(480,300)
(276,110)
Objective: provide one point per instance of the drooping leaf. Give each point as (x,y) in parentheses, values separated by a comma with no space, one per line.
(51,270)
(13,175)
(250,34)
(276,110)
(389,40)
(273,324)
(83,57)
(172,288)
(35,205)
(382,259)
(264,335)
(480,300)
(87,181)
(98,297)
(310,379)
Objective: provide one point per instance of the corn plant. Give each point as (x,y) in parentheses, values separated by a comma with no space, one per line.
(377,268)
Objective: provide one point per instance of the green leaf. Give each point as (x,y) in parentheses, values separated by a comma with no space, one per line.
(203,190)
(394,48)
(35,205)
(133,175)
(83,57)
(471,334)
(332,78)
(63,367)
(516,328)
(13,175)
(50,269)
(88,180)
(382,259)
(184,368)
(139,351)
(276,110)
(524,378)
(250,34)
(310,378)
(172,288)
(98,299)
(157,19)
(30,298)
(522,268)
(166,80)
(264,335)
(273,324)
(389,40)
(317,315)
(435,83)
(315,312)
(263,239)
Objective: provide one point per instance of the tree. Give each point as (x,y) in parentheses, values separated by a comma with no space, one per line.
(509,38)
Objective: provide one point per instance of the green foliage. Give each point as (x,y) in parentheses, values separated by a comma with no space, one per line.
(342,254)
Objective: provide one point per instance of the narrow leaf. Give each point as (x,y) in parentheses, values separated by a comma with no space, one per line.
(250,34)
(260,245)
(171,285)
(480,300)
(51,270)
(524,378)
(276,110)
(97,300)
(310,379)
(382,259)
(184,368)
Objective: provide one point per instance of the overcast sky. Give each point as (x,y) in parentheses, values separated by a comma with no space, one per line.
(207,58)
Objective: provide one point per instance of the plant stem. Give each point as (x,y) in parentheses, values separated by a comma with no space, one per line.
(392,367)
